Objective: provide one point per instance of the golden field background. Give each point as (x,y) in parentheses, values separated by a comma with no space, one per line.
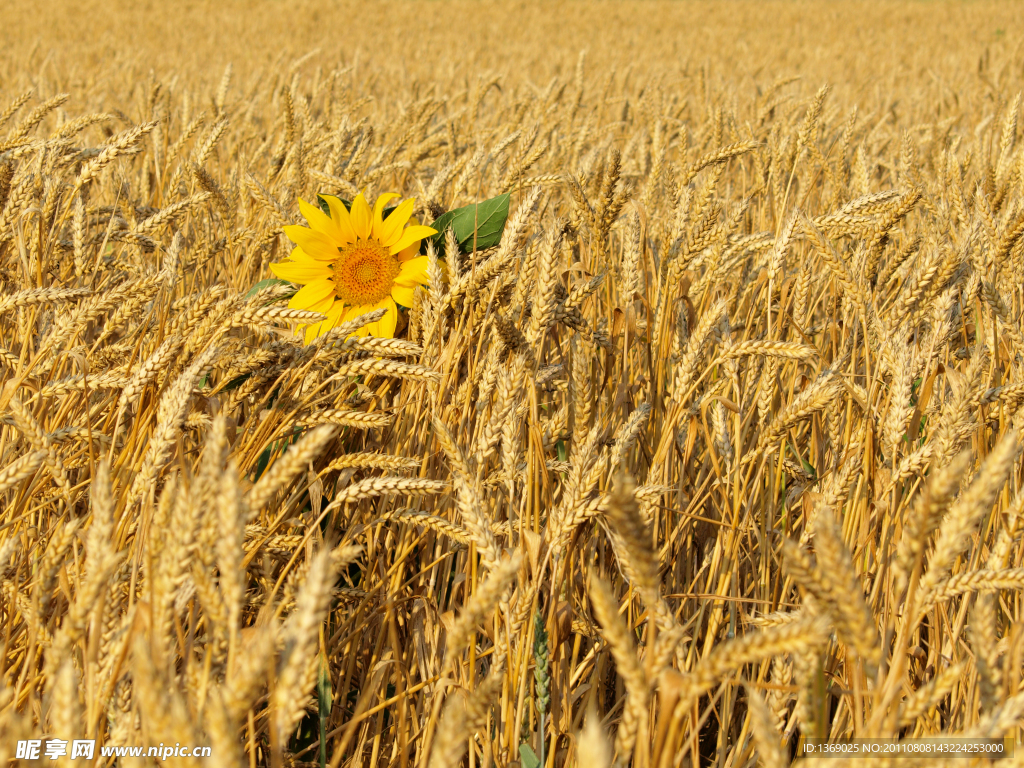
(719,448)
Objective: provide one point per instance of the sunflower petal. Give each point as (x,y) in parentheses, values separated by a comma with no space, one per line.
(342,219)
(319,221)
(403,294)
(414,272)
(334,315)
(391,230)
(312,295)
(300,255)
(336,312)
(301,272)
(385,327)
(411,235)
(409,253)
(325,307)
(389,322)
(314,244)
(414,249)
(378,211)
(351,313)
(362,217)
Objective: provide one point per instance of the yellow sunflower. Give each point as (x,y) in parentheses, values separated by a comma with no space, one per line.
(349,264)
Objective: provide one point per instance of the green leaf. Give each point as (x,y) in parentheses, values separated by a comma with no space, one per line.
(235,383)
(265,284)
(327,209)
(263,460)
(527,757)
(486,219)
(808,467)
(323,699)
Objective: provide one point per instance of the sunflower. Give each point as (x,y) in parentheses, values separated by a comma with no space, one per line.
(351,263)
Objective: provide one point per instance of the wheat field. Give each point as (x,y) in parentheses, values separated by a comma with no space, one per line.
(717,449)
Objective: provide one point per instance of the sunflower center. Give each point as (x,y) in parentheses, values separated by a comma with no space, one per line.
(364,272)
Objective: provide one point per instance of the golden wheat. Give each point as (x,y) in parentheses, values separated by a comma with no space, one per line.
(718,446)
